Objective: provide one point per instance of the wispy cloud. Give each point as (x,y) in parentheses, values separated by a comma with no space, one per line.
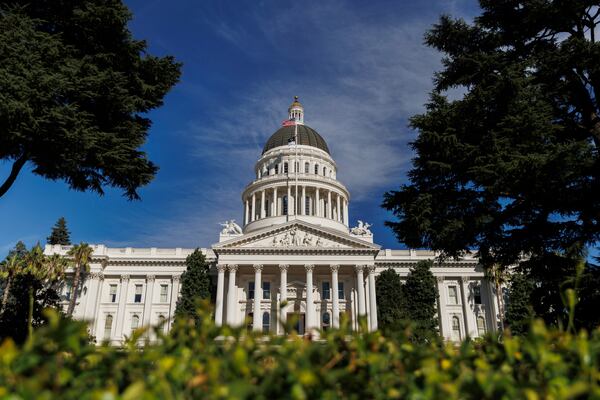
(359,78)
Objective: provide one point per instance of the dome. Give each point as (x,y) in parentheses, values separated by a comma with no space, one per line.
(306,136)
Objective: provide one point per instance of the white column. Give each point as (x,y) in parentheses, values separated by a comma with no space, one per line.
(289,201)
(317,203)
(444,331)
(372,298)
(174,297)
(262,204)
(283,268)
(121,308)
(493,313)
(303,202)
(150,279)
(346,213)
(275,205)
(337,208)
(257,318)
(220,294)
(335,309)
(360,283)
(231,295)
(329,208)
(247,214)
(310,303)
(97,300)
(464,289)
(253,214)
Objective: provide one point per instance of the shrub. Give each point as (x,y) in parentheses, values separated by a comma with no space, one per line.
(210,362)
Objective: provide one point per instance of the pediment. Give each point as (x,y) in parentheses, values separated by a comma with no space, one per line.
(296,235)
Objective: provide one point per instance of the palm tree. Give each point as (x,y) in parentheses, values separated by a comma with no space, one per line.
(35,261)
(81,254)
(499,276)
(54,268)
(9,269)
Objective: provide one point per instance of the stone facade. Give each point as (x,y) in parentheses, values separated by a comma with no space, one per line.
(296,247)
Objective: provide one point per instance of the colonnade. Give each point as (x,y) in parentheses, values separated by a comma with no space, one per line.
(270,202)
(311,321)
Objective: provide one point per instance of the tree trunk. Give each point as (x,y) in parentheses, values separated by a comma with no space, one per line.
(30,313)
(14,172)
(5,294)
(74,290)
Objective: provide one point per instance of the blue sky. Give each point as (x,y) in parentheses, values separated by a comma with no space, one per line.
(360,69)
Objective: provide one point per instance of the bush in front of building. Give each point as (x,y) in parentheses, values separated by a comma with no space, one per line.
(212,362)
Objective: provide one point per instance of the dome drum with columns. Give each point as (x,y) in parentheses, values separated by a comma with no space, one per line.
(295,255)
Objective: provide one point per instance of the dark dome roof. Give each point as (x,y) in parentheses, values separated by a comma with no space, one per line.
(306,136)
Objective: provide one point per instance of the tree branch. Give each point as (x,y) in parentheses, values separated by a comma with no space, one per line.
(14,172)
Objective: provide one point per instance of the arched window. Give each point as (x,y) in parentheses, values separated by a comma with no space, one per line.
(326,321)
(316,169)
(266,322)
(324,171)
(276,169)
(285,168)
(480,326)
(135,322)
(306,168)
(456,328)
(108,326)
(285,205)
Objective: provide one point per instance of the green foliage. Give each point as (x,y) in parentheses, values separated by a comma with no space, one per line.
(519,311)
(421,294)
(28,280)
(195,286)
(511,167)
(410,307)
(76,89)
(389,300)
(82,255)
(60,234)
(215,363)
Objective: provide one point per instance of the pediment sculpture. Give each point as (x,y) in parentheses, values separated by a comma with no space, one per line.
(362,229)
(230,228)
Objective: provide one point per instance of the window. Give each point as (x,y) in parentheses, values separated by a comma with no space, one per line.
(135,322)
(162,322)
(108,326)
(164,291)
(326,321)
(138,294)
(326,291)
(266,322)
(112,293)
(306,168)
(267,208)
(452,295)
(68,290)
(316,169)
(477,294)
(324,171)
(307,205)
(480,326)
(341,290)
(285,205)
(250,290)
(276,169)
(285,168)
(456,328)
(296,166)
(266,286)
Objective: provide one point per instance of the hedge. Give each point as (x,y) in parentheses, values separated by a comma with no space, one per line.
(210,362)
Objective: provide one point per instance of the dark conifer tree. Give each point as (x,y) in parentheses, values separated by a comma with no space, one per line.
(519,311)
(420,301)
(60,234)
(195,286)
(389,300)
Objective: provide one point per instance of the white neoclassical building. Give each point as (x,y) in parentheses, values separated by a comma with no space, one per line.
(296,254)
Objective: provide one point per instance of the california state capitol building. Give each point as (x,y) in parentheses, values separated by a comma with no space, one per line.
(296,247)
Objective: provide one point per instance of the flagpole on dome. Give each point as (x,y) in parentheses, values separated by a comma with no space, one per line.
(296,166)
